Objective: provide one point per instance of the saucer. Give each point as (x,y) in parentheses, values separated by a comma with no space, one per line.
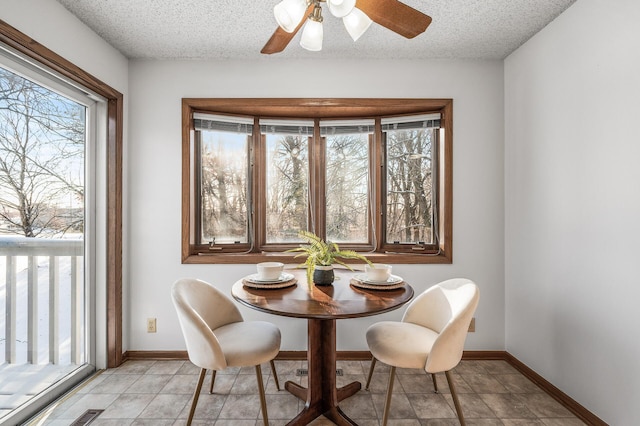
(284,277)
(392,280)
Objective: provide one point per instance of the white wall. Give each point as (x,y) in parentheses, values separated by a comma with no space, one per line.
(51,25)
(572,146)
(155,179)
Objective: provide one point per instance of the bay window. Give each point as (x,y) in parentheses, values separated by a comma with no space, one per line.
(371,175)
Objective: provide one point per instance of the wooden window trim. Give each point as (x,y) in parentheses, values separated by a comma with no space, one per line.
(319,108)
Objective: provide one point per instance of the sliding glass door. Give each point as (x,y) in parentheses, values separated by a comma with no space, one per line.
(47,174)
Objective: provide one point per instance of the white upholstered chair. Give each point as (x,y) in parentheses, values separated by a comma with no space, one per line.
(217,336)
(430,336)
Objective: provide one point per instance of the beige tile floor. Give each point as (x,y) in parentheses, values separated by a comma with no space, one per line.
(159,392)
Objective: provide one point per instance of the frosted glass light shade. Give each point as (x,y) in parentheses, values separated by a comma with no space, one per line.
(312,36)
(289,13)
(341,8)
(356,23)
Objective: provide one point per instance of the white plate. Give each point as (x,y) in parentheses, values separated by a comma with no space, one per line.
(393,279)
(284,277)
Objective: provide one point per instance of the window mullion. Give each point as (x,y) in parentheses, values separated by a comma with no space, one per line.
(198,184)
(435,188)
(317,188)
(378,177)
(259,190)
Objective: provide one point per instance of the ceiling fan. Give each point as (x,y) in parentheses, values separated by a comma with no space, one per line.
(357,16)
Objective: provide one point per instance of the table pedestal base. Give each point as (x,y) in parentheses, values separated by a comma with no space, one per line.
(322,396)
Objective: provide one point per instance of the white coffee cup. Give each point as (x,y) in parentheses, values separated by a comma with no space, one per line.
(269,270)
(378,271)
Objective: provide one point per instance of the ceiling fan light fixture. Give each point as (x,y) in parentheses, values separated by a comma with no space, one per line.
(289,13)
(357,23)
(312,35)
(341,8)
(394,15)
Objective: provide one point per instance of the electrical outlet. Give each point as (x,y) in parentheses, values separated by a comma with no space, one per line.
(151,325)
(472,325)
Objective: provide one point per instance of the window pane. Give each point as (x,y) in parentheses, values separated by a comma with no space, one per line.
(43,146)
(347,183)
(409,186)
(224,175)
(287,186)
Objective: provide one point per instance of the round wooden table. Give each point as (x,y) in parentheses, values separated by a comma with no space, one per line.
(322,306)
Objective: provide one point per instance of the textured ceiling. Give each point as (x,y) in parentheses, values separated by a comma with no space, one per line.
(237,29)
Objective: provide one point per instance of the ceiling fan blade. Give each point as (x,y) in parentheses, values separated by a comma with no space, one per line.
(280,38)
(396,16)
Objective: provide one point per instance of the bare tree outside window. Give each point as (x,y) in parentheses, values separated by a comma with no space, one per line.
(287,186)
(347,188)
(409,186)
(42,138)
(224,187)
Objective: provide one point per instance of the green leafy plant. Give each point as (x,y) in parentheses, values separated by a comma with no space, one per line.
(323,253)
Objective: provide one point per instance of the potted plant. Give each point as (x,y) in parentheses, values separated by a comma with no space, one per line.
(321,255)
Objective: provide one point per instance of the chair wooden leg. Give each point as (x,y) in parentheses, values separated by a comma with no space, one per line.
(263,400)
(373,365)
(454,395)
(275,374)
(435,383)
(387,403)
(213,379)
(196,395)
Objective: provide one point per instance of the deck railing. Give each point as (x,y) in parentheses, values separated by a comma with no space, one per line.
(23,260)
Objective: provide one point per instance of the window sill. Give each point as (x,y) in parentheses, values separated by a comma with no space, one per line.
(252,258)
